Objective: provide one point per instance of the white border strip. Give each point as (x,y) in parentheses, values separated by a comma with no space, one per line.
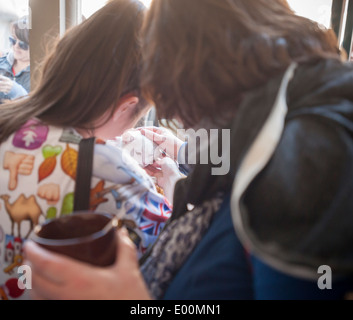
(62,18)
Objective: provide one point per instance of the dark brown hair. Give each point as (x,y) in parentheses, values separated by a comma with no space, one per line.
(90,69)
(202,56)
(21,29)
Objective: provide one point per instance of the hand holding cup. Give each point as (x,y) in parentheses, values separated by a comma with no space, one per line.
(6,84)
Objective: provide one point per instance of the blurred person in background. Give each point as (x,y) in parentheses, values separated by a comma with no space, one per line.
(15,65)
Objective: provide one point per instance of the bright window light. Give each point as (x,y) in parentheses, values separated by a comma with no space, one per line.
(146,2)
(317,10)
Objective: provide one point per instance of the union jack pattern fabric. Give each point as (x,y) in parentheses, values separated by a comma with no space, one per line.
(154,217)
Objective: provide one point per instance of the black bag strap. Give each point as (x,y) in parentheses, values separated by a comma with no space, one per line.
(84,174)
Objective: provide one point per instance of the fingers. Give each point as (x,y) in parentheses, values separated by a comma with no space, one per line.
(5,84)
(165,139)
(52,267)
(40,261)
(154,136)
(153,129)
(59,277)
(153,169)
(55,276)
(43,289)
(167,165)
(127,253)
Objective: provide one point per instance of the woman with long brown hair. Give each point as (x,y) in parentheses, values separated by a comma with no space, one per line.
(277,82)
(90,87)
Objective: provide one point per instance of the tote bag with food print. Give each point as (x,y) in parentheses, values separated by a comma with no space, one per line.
(37,174)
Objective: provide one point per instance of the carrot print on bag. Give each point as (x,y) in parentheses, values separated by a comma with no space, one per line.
(48,166)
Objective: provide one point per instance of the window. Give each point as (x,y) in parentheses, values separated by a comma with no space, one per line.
(317,10)
(335,14)
(10,11)
(89,7)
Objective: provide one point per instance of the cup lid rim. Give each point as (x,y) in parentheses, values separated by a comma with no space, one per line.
(77,240)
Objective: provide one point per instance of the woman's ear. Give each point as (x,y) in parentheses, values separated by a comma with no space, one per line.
(126,106)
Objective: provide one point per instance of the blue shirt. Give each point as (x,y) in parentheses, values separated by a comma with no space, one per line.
(270,284)
(220,269)
(22,80)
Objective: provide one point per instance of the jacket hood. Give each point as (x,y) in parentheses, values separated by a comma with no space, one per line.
(291,199)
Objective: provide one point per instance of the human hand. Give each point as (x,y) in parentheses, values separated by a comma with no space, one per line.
(167,176)
(165,139)
(57,277)
(6,84)
(139,147)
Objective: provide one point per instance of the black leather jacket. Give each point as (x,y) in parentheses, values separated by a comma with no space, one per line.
(291,172)
(296,210)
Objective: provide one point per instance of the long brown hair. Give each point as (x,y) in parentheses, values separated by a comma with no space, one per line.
(202,56)
(90,69)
